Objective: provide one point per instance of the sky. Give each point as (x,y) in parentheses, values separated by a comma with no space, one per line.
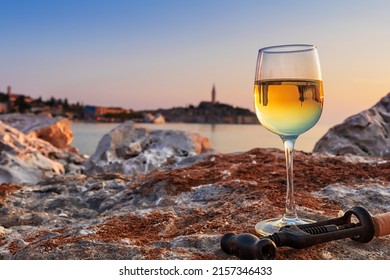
(149,54)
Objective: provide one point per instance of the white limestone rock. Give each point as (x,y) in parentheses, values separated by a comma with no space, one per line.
(130,149)
(26,159)
(56,130)
(364,134)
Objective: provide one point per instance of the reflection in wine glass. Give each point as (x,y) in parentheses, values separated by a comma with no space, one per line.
(288,97)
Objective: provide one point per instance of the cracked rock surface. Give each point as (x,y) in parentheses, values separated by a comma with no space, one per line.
(183,212)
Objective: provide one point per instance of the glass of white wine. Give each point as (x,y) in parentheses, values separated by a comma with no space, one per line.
(288,97)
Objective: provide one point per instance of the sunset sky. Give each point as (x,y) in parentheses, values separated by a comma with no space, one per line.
(149,54)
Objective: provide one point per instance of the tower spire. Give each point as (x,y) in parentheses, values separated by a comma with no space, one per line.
(213,94)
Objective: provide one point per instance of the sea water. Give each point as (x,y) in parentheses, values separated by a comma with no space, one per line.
(225,138)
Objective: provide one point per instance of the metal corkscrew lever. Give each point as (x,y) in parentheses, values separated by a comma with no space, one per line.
(356,224)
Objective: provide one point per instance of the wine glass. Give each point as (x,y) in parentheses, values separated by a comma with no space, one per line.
(288,97)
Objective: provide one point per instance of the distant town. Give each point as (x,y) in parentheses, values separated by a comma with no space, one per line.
(206,112)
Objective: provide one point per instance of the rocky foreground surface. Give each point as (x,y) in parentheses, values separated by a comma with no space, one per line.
(142,196)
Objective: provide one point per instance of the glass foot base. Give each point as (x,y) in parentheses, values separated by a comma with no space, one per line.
(270,226)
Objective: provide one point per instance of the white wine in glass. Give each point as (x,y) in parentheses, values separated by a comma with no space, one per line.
(288,98)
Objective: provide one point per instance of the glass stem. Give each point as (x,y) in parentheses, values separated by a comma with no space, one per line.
(290,212)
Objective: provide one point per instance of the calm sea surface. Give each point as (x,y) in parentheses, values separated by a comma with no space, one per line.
(225,138)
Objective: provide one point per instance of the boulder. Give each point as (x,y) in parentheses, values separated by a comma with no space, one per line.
(56,131)
(182,213)
(130,149)
(364,134)
(24,158)
(150,118)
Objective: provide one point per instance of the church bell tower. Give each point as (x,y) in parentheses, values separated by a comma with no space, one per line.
(213,95)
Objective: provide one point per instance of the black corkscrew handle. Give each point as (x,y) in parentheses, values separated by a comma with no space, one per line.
(356,224)
(247,246)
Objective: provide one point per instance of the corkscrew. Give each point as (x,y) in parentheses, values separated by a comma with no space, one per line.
(356,224)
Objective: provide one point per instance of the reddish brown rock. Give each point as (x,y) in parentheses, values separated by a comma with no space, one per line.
(182,213)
